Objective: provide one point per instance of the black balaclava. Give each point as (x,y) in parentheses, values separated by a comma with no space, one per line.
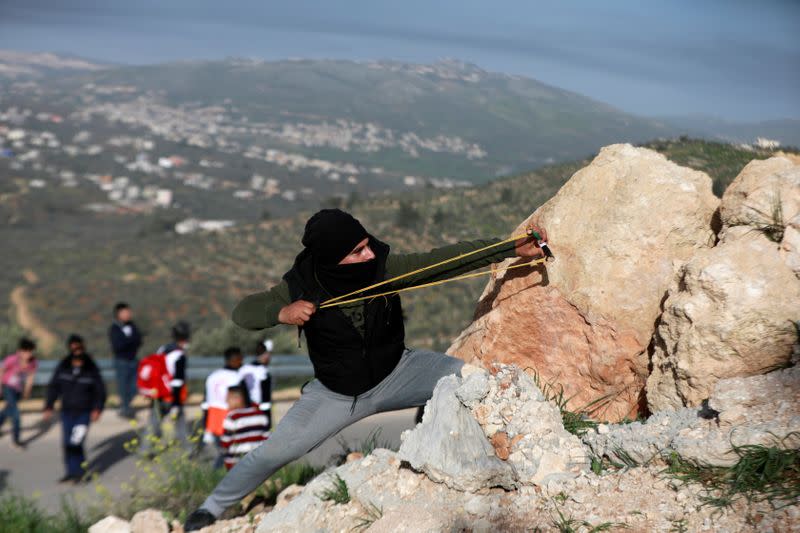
(330,235)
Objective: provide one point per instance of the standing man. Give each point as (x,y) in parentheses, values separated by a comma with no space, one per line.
(361,363)
(78,383)
(175,362)
(256,377)
(125,343)
(18,372)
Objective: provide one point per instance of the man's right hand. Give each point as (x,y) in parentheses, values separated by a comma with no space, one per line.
(47,415)
(297,313)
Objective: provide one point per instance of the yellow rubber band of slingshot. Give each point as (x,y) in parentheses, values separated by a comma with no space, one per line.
(329,303)
(431,284)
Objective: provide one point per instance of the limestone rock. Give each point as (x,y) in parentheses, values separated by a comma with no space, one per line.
(510,436)
(409,520)
(618,228)
(729,313)
(761,410)
(765,198)
(450,447)
(111,524)
(287,495)
(640,443)
(149,521)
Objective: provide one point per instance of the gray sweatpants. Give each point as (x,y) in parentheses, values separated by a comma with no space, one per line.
(321,413)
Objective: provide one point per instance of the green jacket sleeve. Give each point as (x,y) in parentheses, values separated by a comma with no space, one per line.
(399,264)
(260,310)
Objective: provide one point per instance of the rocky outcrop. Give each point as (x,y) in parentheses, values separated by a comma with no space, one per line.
(729,313)
(449,445)
(765,198)
(619,228)
(755,410)
(730,310)
(486,430)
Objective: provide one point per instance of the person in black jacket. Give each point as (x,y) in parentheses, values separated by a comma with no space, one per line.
(125,343)
(78,383)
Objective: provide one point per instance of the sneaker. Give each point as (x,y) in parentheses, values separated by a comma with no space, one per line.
(68,479)
(198,520)
(18,445)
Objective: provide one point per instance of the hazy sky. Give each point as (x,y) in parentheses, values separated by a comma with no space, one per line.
(730,58)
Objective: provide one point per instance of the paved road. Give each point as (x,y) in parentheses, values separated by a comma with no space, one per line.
(35,470)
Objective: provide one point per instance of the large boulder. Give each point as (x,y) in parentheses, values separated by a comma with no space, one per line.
(765,198)
(449,445)
(486,430)
(731,309)
(619,227)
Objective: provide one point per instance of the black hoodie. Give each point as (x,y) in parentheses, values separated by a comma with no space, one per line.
(80,388)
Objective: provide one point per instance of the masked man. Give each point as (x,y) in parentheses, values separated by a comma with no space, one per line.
(361,363)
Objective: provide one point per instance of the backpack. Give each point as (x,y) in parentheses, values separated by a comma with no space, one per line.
(152,377)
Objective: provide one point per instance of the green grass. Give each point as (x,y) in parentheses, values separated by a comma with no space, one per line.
(291,474)
(578,421)
(371,443)
(569,524)
(337,493)
(22,514)
(762,473)
(372,513)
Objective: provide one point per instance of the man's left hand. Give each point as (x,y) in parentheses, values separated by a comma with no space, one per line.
(95,415)
(528,247)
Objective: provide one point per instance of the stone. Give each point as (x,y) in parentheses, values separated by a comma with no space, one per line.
(149,521)
(353,456)
(754,410)
(729,312)
(619,228)
(513,437)
(640,443)
(501,445)
(449,445)
(409,520)
(766,193)
(111,524)
(287,495)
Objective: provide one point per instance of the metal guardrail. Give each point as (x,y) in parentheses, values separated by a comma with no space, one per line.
(197,368)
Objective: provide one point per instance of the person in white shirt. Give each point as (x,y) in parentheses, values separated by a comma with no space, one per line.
(258,380)
(215,406)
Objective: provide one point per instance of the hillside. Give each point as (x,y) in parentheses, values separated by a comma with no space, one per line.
(199,277)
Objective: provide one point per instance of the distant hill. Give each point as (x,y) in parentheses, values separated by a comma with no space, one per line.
(448,119)
(786,131)
(200,277)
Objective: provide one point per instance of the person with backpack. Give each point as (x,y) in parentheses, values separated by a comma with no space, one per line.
(258,380)
(78,383)
(16,383)
(125,341)
(215,405)
(361,363)
(162,378)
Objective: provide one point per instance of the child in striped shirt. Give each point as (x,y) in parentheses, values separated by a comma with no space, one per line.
(246,427)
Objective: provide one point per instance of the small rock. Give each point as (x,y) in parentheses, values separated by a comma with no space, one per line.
(149,521)
(111,524)
(502,447)
(353,456)
(287,495)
